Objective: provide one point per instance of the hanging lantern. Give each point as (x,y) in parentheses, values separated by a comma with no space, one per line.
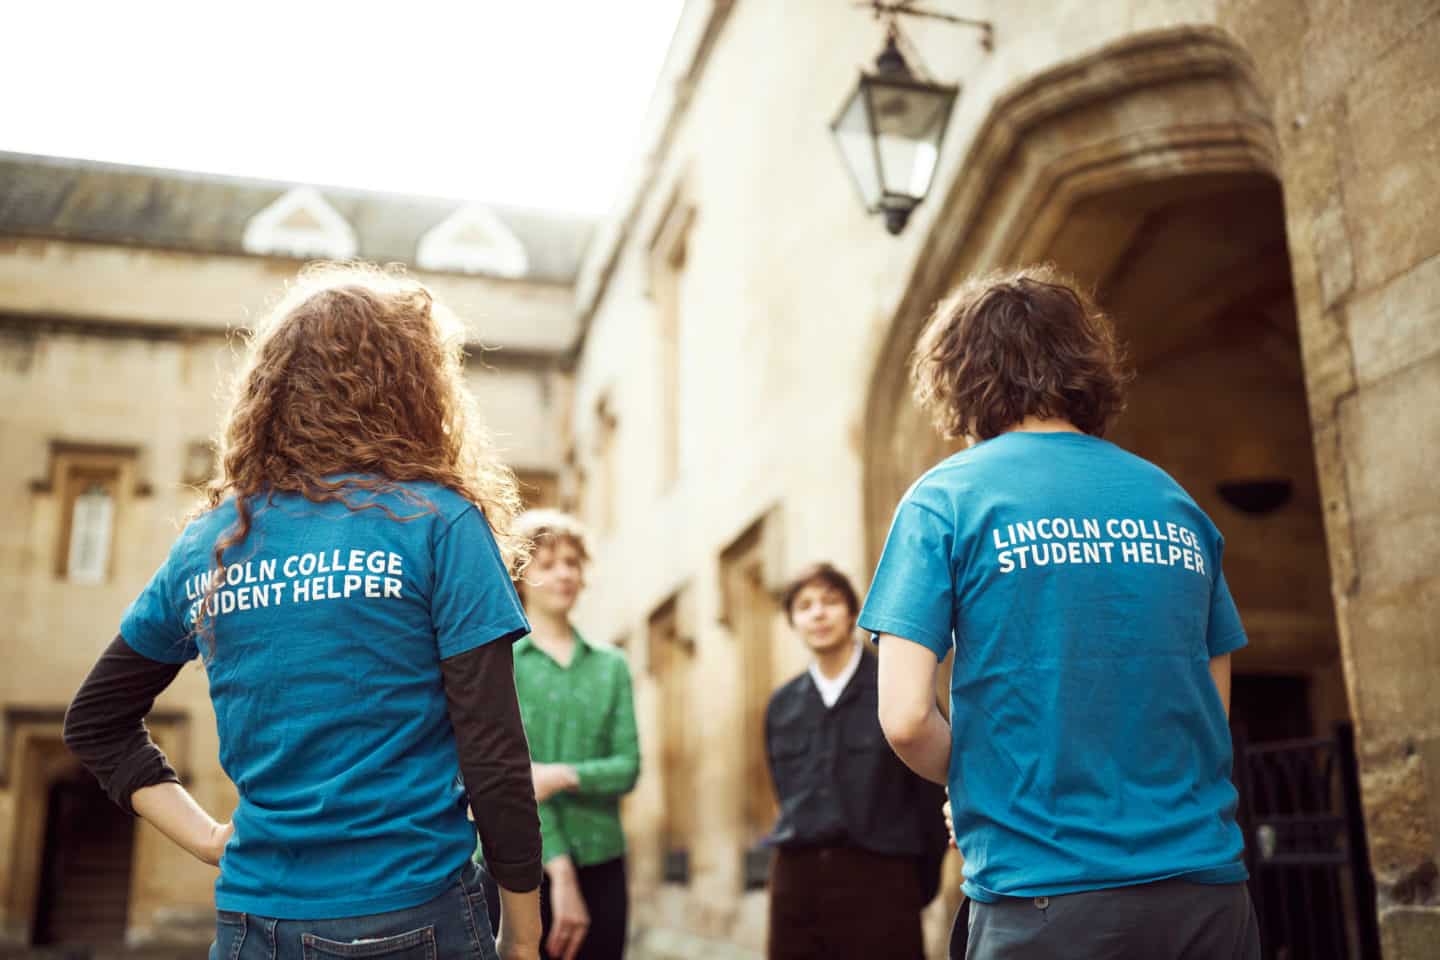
(890,132)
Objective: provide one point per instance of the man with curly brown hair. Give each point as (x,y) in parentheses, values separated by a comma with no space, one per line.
(1087,752)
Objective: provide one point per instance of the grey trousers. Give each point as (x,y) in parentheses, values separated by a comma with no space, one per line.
(1169,920)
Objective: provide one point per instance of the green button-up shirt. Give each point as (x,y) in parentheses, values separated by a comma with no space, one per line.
(582,714)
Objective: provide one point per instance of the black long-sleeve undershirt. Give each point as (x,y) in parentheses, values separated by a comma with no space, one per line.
(105,725)
(495,762)
(105,729)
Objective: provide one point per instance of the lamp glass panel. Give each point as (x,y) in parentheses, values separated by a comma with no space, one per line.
(908,125)
(853,134)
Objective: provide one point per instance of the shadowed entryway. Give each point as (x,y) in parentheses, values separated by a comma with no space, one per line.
(84,892)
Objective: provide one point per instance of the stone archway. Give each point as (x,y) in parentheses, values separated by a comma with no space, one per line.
(83,894)
(103,858)
(1145,110)
(1148,171)
(69,856)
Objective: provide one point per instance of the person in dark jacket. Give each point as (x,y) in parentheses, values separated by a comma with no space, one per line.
(859,839)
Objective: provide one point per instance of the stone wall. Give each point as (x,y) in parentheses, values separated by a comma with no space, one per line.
(796,311)
(1358,138)
(154,395)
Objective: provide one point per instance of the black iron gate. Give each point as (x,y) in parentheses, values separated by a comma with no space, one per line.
(1305,848)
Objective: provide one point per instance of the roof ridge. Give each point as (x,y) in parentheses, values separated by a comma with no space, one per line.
(269,183)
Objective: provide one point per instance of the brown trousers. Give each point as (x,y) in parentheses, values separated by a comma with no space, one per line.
(834,903)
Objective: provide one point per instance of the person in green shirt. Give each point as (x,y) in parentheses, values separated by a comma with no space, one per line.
(579,715)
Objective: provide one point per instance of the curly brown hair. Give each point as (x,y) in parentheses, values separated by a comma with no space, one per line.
(359,371)
(1008,345)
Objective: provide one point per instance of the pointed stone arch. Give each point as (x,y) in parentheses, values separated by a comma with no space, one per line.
(1146,109)
(1150,168)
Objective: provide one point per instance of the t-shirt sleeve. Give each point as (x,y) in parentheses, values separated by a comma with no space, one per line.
(1224,632)
(474,602)
(913,592)
(155,624)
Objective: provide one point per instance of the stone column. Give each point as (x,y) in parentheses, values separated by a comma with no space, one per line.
(1358,115)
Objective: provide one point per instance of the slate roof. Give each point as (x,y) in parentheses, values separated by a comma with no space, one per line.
(180,210)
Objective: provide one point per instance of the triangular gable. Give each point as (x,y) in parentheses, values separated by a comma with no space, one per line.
(473,240)
(300,224)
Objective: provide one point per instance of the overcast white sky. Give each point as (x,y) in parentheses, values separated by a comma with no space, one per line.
(532,103)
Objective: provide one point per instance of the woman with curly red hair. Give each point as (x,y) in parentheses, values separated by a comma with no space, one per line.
(347,587)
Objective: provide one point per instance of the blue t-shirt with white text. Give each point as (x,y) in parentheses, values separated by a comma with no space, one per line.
(1082,592)
(328,630)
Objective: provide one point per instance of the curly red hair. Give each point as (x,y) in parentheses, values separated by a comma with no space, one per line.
(357,370)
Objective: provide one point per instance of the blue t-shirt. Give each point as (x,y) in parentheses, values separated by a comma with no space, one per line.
(325,675)
(1081,589)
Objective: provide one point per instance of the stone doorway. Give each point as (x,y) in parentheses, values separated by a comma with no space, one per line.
(1196,273)
(1148,171)
(84,884)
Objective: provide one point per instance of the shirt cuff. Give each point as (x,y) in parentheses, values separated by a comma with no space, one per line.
(878,623)
(161,651)
(509,629)
(1230,644)
(145,768)
(517,877)
(552,841)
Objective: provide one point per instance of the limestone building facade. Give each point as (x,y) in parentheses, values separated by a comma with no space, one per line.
(714,378)
(1251,188)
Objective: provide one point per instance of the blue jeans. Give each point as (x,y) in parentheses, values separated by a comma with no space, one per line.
(453,925)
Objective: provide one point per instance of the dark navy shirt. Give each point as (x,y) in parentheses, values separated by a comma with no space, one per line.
(838,781)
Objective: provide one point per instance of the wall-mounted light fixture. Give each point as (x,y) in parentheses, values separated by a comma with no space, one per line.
(891,127)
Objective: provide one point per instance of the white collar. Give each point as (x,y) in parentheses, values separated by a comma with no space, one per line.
(830,690)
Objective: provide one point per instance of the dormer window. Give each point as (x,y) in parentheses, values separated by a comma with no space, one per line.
(300,224)
(472,240)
